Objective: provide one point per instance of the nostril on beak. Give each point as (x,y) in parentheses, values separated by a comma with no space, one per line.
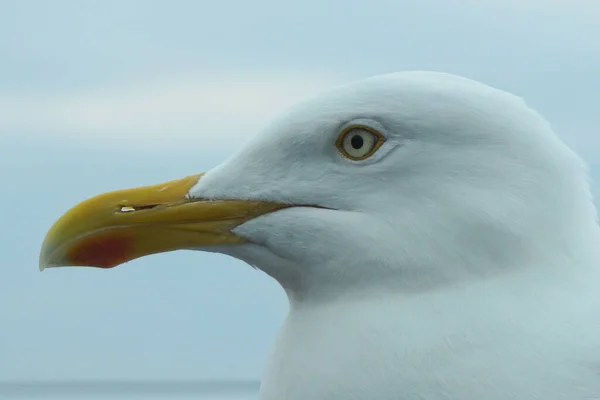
(128,209)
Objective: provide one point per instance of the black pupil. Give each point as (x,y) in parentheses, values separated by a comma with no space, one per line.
(357,142)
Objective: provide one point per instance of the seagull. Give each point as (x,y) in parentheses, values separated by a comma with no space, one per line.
(435,238)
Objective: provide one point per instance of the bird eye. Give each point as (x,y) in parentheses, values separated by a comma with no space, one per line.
(359,142)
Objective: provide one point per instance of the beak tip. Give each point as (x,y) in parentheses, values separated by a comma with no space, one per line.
(42,265)
(44,262)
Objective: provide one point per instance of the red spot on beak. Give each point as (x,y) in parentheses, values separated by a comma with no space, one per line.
(101,251)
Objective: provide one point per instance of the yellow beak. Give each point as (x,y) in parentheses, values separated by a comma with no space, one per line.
(116,227)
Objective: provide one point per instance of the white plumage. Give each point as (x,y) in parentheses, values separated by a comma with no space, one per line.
(459,261)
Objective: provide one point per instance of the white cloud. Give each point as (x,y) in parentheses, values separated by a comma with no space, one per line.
(207,108)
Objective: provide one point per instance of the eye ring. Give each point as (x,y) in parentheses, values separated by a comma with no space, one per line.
(359,142)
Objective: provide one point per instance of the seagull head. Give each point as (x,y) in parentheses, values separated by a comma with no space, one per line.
(400,181)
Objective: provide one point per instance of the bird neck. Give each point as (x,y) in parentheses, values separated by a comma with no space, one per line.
(382,345)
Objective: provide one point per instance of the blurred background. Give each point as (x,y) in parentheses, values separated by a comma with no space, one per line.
(103,95)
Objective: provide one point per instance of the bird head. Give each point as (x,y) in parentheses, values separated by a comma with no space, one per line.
(404,180)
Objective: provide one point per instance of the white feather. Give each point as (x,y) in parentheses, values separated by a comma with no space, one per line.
(459,262)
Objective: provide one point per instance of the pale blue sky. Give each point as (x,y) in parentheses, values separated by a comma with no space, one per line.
(101,95)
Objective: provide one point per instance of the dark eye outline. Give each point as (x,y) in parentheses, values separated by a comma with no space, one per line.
(340,141)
